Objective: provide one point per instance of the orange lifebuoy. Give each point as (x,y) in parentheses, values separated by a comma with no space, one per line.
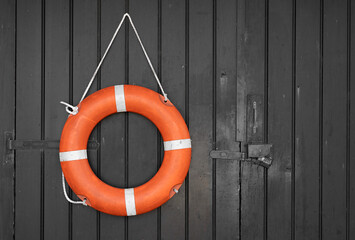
(130,201)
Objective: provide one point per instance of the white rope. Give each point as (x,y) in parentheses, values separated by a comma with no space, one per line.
(74,109)
(70,108)
(104,56)
(67,197)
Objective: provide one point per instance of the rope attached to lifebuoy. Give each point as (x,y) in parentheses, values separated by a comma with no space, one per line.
(74,109)
(125,201)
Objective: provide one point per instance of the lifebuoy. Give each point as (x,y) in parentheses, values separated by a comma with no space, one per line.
(130,201)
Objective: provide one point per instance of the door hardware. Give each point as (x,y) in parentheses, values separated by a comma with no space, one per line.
(259,154)
(28,144)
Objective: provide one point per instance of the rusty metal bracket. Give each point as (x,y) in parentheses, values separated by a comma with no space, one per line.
(255,118)
(259,154)
(227,155)
(7,136)
(15,144)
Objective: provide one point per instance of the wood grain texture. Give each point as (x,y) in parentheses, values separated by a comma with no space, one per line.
(280,118)
(351,109)
(308,121)
(173,79)
(28,119)
(113,128)
(56,215)
(227,171)
(143,144)
(85,36)
(252,80)
(210,55)
(7,116)
(334,117)
(241,74)
(200,118)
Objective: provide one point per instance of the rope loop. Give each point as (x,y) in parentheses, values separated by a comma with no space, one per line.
(70,109)
(67,197)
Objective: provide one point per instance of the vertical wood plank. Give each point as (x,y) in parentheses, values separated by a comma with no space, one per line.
(227,171)
(142,144)
(251,81)
(314,141)
(7,116)
(308,120)
(84,219)
(280,118)
(28,118)
(173,80)
(351,132)
(113,138)
(200,118)
(241,94)
(334,117)
(56,89)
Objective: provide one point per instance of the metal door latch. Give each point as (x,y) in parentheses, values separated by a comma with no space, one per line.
(256,152)
(12,144)
(259,154)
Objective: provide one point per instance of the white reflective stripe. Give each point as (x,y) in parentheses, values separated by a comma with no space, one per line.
(177,144)
(130,202)
(73,155)
(120,100)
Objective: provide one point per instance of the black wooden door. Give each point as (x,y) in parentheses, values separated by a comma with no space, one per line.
(210,55)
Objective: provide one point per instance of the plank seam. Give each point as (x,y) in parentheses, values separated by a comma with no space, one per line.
(14,124)
(321,43)
(293,124)
(187,102)
(214,115)
(126,115)
(98,133)
(348,110)
(266,101)
(159,139)
(43,48)
(71,94)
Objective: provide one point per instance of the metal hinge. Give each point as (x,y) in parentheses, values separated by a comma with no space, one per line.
(259,154)
(15,144)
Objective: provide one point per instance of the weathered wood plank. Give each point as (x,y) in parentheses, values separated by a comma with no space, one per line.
(314,141)
(7,115)
(84,219)
(28,119)
(280,119)
(241,97)
(200,118)
(143,159)
(251,81)
(227,171)
(351,132)
(56,89)
(173,78)
(307,120)
(334,117)
(113,138)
